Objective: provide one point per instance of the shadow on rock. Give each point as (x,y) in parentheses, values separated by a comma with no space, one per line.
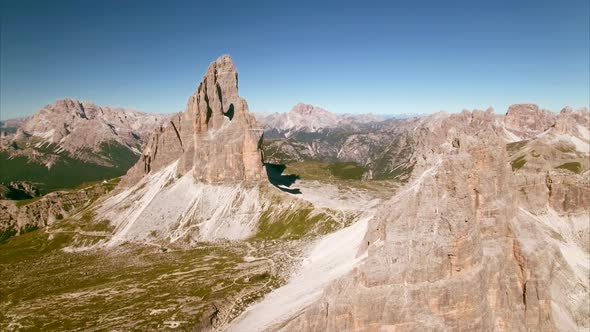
(277,179)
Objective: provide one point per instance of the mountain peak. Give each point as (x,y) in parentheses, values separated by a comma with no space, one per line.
(223,72)
(528,120)
(215,138)
(308,109)
(67,101)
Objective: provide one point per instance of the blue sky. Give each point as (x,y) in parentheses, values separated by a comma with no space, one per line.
(384,57)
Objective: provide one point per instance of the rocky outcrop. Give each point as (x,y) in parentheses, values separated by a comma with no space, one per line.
(569,121)
(215,138)
(199,177)
(560,190)
(43,211)
(528,120)
(551,170)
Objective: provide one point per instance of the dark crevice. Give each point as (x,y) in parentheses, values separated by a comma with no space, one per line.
(219,95)
(147,161)
(260,141)
(156,148)
(112,129)
(177,135)
(230,112)
(524,295)
(548,184)
(82,111)
(209,111)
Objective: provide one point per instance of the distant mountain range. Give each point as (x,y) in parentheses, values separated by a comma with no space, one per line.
(70,142)
(310,118)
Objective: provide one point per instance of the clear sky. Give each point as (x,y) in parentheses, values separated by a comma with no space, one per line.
(385,57)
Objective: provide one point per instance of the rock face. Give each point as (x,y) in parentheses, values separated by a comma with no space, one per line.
(528,120)
(215,138)
(74,126)
(461,248)
(42,212)
(573,122)
(551,170)
(198,178)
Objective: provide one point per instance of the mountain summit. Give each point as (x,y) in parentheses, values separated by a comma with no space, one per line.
(310,118)
(215,138)
(74,125)
(198,178)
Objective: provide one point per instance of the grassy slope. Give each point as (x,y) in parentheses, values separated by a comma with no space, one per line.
(299,221)
(325,171)
(139,286)
(538,155)
(133,287)
(575,167)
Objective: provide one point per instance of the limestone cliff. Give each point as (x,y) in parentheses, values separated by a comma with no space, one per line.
(215,138)
(552,169)
(528,120)
(460,248)
(198,177)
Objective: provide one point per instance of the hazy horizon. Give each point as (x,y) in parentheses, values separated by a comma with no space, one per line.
(384,115)
(370,58)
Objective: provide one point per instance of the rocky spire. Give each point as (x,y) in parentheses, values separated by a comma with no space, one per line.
(216,138)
